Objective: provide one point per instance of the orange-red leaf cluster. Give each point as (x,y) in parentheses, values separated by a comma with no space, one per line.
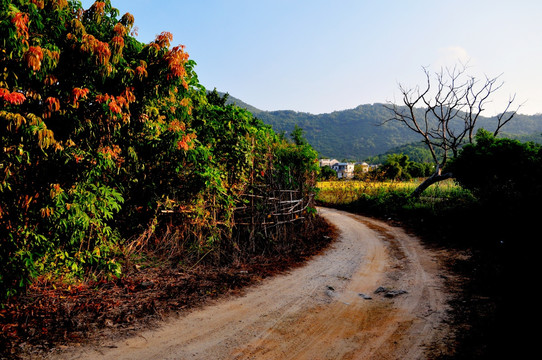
(78,93)
(176,59)
(128,94)
(20,21)
(53,104)
(40,4)
(185,142)
(164,39)
(176,126)
(127,19)
(141,72)
(14,98)
(110,152)
(98,7)
(33,57)
(119,29)
(99,48)
(114,106)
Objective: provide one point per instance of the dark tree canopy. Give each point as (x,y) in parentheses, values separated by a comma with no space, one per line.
(502,171)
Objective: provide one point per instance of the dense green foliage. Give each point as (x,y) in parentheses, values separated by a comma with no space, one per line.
(399,167)
(501,172)
(360,134)
(327,173)
(103,138)
(416,152)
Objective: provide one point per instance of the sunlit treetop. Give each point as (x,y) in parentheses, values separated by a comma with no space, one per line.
(65,64)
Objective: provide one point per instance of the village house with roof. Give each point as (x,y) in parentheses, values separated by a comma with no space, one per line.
(345,170)
(327,162)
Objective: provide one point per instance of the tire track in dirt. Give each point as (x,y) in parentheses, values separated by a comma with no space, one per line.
(314,312)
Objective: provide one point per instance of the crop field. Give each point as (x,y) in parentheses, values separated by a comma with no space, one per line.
(343,192)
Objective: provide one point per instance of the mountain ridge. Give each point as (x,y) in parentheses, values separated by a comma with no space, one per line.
(362,132)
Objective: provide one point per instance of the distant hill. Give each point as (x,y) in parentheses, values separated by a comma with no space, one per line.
(241,104)
(360,133)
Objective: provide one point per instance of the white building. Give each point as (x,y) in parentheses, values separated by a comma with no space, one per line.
(327,162)
(344,170)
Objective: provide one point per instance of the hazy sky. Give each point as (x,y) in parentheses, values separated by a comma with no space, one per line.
(319,56)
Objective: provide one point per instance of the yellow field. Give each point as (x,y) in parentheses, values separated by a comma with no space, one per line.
(346,191)
(366,185)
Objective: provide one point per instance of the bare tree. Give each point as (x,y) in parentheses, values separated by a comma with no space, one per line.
(445,114)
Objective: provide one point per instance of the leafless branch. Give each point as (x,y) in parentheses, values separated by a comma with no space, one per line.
(453,103)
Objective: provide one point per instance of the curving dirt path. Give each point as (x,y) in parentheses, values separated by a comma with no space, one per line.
(327,309)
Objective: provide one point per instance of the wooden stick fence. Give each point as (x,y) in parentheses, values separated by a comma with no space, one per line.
(276,208)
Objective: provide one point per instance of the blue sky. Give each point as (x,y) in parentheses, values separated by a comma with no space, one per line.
(319,56)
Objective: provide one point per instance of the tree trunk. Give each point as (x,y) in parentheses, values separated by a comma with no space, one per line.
(436,177)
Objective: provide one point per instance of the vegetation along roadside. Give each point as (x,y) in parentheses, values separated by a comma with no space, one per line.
(487,217)
(127,189)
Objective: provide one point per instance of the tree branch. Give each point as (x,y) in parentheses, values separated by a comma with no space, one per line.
(451,113)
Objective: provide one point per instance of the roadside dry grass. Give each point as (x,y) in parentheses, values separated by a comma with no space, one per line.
(52,315)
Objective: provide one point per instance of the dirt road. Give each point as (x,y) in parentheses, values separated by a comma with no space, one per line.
(327,309)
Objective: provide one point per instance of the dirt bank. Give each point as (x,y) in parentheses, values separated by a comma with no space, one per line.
(327,309)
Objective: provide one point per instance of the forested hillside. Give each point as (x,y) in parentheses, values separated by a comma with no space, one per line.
(361,133)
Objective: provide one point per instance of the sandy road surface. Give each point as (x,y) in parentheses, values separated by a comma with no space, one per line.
(320,311)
